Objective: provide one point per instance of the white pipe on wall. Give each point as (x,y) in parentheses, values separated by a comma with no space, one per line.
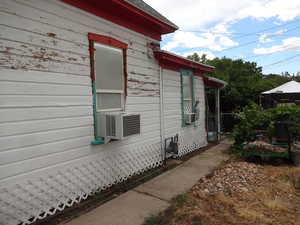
(161,113)
(218,113)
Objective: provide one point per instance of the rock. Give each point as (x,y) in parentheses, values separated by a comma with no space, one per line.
(243,189)
(234,177)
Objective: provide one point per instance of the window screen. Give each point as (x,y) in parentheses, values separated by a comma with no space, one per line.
(109,101)
(109,68)
(187,88)
(109,77)
(187,97)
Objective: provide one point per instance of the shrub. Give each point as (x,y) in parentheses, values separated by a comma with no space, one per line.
(253,118)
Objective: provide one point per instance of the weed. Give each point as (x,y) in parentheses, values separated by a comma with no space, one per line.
(275,204)
(179,200)
(152,220)
(293,177)
(196,220)
(197,223)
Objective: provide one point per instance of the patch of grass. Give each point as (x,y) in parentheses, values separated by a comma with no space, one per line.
(180,200)
(275,204)
(197,223)
(224,199)
(253,215)
(292,175)
(152,220)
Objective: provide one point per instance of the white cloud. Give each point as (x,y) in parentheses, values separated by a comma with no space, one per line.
(292,43)
(191,14)
(215,42)
(227,42)
(264,38)
(208,54)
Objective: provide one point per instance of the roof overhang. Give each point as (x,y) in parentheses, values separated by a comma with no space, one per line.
(126,15)
(214,82)
(170,61)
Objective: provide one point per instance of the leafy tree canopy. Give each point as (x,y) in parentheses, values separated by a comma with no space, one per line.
(245,80)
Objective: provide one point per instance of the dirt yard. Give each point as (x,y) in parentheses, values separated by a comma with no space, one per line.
(239,193)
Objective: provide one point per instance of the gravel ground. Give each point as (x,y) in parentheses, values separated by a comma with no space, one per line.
(234,177)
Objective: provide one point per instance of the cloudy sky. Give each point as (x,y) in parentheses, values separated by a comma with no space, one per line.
(264,31)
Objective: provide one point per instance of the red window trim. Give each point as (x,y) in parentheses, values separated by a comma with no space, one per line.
(107,40)
(110,42)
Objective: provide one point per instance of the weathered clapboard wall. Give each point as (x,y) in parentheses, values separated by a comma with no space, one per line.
(46,123)
(191,137)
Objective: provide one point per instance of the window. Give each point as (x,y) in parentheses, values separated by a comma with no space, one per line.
(187,97)
(109,78)
(108,74)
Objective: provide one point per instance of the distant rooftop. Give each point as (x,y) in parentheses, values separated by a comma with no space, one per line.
(289,87)
(140,4)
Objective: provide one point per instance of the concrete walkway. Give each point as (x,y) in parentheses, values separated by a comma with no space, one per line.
(132,207)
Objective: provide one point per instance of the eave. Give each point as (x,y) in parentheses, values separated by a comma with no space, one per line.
(214,82)
(126,15)
(174,62)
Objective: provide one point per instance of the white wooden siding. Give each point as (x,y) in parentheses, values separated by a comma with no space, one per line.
(46,114)
(190,137)
(46,120)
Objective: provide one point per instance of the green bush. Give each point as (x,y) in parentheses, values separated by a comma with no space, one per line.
(253,118)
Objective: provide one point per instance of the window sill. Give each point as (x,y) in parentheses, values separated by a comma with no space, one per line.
(97,142)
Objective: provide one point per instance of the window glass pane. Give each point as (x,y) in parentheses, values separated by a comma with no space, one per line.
(187,87)
(108,67)
(109,101)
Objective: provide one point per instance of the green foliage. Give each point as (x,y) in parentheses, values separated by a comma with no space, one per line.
(194,57)
(197,223)
(152,220)
(179,200)
(290,114)
(253,118)
(245,80)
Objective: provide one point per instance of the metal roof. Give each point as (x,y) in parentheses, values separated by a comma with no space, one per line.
(289,87)
(140,4)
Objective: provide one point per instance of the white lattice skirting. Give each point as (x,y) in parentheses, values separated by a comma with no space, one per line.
(37,198)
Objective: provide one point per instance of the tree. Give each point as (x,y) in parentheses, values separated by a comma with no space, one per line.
(245,80)
(195,57)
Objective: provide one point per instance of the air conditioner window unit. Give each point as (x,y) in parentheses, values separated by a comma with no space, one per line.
(118,125)
(190,118)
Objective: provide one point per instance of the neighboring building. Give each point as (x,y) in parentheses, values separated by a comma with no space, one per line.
(67,71)
(286,94)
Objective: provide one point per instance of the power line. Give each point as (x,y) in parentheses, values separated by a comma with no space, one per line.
(285,49)
(281,61)
(242,34)
(270,28)
(252,42)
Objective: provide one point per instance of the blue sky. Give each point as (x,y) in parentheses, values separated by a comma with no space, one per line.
(263,31)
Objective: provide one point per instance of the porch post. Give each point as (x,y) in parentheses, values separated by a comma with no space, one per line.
(218,115)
